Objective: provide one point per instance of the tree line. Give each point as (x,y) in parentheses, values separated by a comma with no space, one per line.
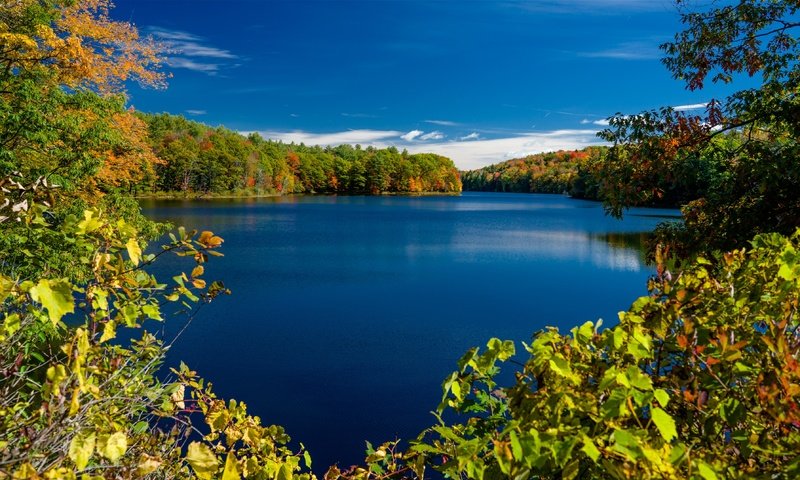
(588,174)
(552,172)
(196,158)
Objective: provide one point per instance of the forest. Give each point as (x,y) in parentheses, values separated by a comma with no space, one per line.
(584,174)
(699,379)
(193,158)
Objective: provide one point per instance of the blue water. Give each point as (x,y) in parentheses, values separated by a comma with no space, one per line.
(347,312)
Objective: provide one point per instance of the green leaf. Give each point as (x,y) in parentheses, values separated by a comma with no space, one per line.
(571,470)
(662,396)
(55,296)
(590,449)
(706,471)
(285,472)
(203,461)
(664,423)
(11,324)
(455,388)
(113,446)
(627,444)
(516,447)
(619,337)
(231,471)
(561,366)
(80,449)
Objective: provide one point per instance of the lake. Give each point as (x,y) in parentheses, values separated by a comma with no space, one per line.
(348,312)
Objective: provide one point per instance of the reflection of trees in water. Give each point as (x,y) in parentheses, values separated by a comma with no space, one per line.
(637,241)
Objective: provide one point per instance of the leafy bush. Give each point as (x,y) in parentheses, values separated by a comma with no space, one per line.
(699,380)
(75,402)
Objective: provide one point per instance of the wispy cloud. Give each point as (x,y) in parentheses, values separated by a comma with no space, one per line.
(694,106)
(471,154)
(192,52)
(603,122)
(358,115)
(471,136)
(467,152)
(196,112)
(363,137)
(178,62)
(627,51)
(435,135)
(411,135)
(444,123)
(604,7)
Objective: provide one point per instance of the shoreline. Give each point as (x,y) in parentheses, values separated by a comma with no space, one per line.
(196,196)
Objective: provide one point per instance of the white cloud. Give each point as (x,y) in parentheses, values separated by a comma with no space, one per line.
(467,154)
(411,135)
(178,62)
(436,135)
(187,44)
(444,123)
(186,48)
(607,7)
(602,122)
(627,51)
(694,106)
(358,115)
(471,136)
(363,137)
(196,112)
(471,154)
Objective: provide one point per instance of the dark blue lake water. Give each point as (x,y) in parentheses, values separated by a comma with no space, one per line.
(347,312)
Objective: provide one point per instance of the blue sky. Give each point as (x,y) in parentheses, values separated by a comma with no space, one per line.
(478,81)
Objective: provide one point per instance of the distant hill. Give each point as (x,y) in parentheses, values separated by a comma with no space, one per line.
(565,171)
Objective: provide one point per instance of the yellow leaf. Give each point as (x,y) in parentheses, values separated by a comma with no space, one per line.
(134,251)
(55,296)
(202,460)
(75,404)
(147,465)
(113,446)
(231,471)
(88,224)
(80,449)
(109,331)
(177,397)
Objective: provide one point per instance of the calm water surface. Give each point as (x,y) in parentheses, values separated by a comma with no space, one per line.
(347,312)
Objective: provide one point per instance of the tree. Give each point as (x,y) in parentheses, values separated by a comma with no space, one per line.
(737,162)
(61,110)
(74,402)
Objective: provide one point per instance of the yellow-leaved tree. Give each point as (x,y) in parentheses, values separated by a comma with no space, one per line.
(75,400)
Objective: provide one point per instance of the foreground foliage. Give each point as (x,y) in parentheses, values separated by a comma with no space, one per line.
(741,153)
(699,380)
(76,400)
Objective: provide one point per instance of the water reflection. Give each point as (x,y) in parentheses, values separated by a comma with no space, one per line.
(346,308)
